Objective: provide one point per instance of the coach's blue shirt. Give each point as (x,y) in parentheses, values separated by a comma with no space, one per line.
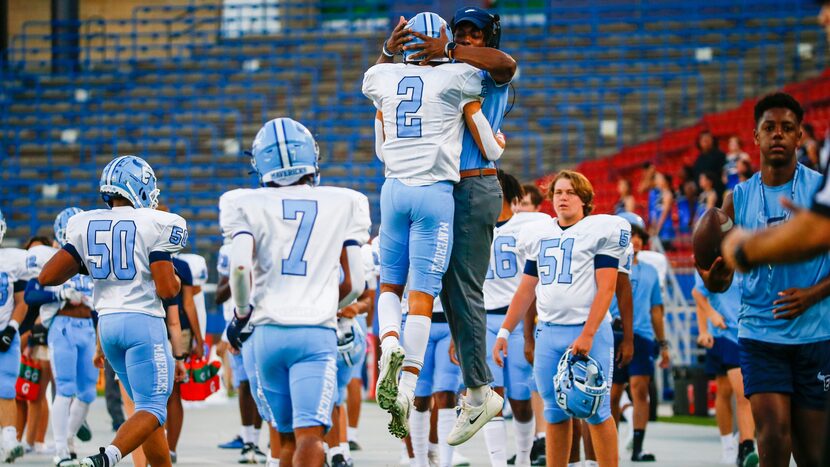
(728,304)
(645,288)
(758,206)
(493,107)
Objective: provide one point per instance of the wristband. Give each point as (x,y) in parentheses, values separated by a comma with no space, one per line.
(179,358)
(386,51)
(503,334)
(664,344)
(14,324)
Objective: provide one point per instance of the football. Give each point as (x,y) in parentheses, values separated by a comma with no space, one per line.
(709,231)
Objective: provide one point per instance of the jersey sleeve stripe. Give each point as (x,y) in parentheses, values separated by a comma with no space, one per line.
(160,256)
(69,248)
(605,261)
(531,269)
(242,232)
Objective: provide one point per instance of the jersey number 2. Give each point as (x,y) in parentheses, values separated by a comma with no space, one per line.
(409,106)
(295,265)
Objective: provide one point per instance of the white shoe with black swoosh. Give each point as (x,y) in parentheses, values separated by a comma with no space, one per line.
(472,418)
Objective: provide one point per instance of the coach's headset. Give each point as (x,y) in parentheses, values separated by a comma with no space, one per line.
(492,31)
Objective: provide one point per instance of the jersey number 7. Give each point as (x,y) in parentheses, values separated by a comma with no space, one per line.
(295,265)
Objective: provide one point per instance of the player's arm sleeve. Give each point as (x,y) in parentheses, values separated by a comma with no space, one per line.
(357,277)
(368,266)
(172,238)
(36,295)
(361,221)
(74,239)
(482,132)
(611,249)
(656,292)
(232,218)
(380,135)
(242,263)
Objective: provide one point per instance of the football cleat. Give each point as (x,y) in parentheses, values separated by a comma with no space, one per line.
(249,454)
(235,443)
(390,365)
(98,460)
(399,425)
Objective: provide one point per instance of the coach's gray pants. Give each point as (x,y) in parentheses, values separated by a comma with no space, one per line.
(477,207)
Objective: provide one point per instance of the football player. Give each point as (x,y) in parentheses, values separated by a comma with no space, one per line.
(647,325)
(248,438)
(127,251)
(572,272)
(502,280)
(718,324)
(421,111)
(288,239)
(783,330)
(67,312)
(12,313)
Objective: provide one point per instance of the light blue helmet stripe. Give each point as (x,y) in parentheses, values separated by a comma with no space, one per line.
(281,143)
(277,141)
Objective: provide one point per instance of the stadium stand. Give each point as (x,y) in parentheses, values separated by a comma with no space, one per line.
(186,84)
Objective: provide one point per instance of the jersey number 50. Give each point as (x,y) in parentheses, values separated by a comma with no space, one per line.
(121,259)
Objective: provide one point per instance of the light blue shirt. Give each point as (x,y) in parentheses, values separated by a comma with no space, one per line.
(758,206)
(645,288)
(493,107)
(728,304)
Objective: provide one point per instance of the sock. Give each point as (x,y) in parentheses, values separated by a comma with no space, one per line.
(255,435)
(272,462)
(351,434)
(540,435)
(9,437)
(575,464)
(389,315)
(475,396)
(524,441)
(407,383)
(446,422)
(433,448)
(727,441)
(590,463)
(247,434)
(77,414)
(415,340)
(495,437)
(639,435)
(60,424)
(113,454)
(333,451)
(419,433)
(346,450)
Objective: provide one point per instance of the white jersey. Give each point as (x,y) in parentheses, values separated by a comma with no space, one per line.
(565,261)
(507,258)
(12,269)
(116,246)
(659,261)
(223,268)
(299,232)
(37,257)
(199,274)
(423,119)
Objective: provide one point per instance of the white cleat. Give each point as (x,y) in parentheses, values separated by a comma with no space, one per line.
(8,455)
(390,365)
(458,459)
(472,418)
(399,425)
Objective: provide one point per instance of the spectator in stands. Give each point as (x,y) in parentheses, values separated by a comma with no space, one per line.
(532,200)
(745,170)
(687,207)
(710,159)
(708,197)
(807,152)
(824,17)
(735,154)
(626,203)
(660,202)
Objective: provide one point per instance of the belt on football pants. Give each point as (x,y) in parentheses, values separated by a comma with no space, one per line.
(478,173)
